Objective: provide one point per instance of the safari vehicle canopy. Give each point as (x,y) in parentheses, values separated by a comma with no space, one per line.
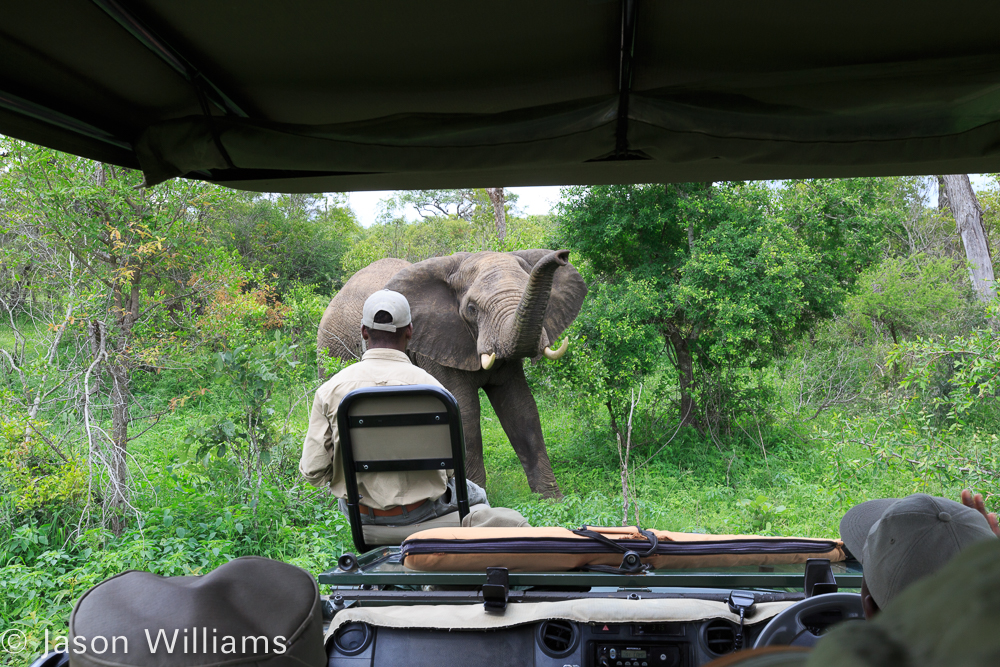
(319,96)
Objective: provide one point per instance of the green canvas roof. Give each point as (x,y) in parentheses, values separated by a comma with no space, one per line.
(303,95)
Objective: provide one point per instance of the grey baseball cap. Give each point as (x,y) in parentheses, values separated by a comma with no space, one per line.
(391,302)
(902,540)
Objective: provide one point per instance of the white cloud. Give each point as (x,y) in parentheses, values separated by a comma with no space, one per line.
(366,204)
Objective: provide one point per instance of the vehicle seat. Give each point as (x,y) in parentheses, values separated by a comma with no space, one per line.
(414,431)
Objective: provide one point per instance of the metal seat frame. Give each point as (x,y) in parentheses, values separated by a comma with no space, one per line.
(452,416)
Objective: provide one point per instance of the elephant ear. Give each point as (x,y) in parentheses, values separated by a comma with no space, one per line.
(566,298)
(439,332)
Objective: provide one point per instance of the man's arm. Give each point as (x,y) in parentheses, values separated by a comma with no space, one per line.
(316,464)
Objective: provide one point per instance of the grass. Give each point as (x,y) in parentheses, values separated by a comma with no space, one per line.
(195,515)
(692,486)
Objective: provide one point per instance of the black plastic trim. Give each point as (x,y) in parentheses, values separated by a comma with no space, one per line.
(404,465)
(385,421)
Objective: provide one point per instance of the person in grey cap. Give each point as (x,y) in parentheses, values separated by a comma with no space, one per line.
(391,499)
(900,541)
(948,619)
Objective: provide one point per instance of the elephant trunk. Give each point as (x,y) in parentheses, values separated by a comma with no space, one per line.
(527,330)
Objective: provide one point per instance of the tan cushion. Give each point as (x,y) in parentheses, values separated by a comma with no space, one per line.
(545,549)
(399,442)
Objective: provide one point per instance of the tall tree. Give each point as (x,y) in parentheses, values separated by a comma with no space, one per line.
(943,204)
(969,219)
(498,200)
(144,252)
(726,274)
(720,279)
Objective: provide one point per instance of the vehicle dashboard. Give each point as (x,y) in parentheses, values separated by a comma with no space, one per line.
(549,643)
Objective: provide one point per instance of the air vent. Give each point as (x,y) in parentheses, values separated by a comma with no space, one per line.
(352,638)
(557,638)
(720,637)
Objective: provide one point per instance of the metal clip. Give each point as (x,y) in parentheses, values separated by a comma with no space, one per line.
(819,579)
(496,590)
(631,563)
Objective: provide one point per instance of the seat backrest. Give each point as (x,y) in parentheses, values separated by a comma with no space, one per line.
(399,429)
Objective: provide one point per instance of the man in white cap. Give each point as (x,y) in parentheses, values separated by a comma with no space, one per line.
(396,499)
(900,541)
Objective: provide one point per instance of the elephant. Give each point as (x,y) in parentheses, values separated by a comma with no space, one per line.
(476,317)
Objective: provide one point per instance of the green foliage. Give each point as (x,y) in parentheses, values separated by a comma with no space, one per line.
(730,284)
(848,222)
(42,490)
(194,527)
(133,239)
(290,238)
(896,453)
(638,229)
(900,295)
(615,344)
(412,241)
(762,514)
(251,375)
(451,221)
(749,283)
(969,366)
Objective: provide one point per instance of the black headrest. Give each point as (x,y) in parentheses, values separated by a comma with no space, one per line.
(249,611)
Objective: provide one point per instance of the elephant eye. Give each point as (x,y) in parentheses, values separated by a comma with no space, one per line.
(471,309)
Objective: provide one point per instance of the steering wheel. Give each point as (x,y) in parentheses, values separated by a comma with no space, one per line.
(804,622)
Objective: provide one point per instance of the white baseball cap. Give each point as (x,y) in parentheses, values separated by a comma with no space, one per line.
(900,541)
(391,302)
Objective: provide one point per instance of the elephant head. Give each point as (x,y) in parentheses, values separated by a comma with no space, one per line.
(473,309)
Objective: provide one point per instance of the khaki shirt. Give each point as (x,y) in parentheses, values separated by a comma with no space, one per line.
(322,461)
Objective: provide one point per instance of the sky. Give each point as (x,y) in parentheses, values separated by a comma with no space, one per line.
(531,201)
(535,201)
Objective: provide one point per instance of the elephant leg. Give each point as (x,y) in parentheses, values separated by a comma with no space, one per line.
(518,414)
(466,392)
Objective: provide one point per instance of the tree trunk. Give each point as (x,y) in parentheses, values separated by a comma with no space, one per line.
(969,219)
(685,377)
(499,213)
(943,204)
(120,372)
(117,468)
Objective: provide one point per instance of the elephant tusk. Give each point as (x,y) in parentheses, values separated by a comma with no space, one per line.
(487,360)
(556,354)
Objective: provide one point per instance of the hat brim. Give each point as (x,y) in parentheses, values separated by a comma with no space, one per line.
(858,522)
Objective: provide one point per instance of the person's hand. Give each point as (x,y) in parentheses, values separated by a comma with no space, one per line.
(977,503)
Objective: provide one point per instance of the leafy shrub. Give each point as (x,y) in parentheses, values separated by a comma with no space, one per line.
(762,515)
(960,375)
(901,296)
(292,239)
